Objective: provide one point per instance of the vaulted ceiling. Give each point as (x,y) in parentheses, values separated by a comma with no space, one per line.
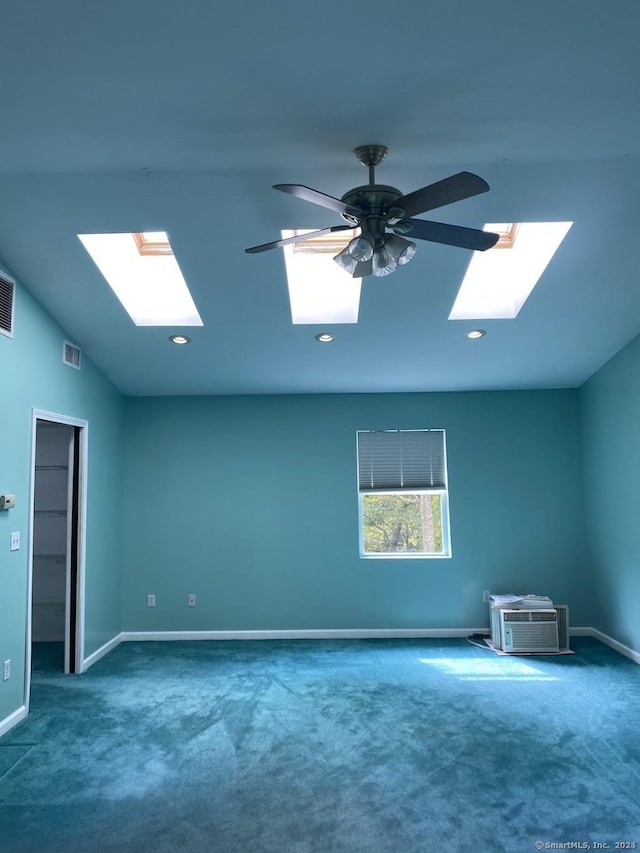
(145,116)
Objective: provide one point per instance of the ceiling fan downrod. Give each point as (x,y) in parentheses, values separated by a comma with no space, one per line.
(373,202)
(371,156)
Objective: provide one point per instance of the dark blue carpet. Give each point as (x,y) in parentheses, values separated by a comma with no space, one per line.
(325,747)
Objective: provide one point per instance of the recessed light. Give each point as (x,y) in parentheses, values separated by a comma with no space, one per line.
(475,333)
(179,339)
(324,338)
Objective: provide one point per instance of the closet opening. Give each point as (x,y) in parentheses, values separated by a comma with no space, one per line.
(56,590)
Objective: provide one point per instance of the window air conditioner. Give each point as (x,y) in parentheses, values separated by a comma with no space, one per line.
(533,631)
(563,626)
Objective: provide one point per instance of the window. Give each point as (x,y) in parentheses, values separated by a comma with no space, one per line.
(402,492)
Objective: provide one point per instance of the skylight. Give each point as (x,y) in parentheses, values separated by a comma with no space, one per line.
(499,281)
(142,271)
(152,243)
(319,291)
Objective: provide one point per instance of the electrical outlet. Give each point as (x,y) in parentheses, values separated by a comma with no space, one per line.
(191,600)
(15,540)
(151,600)
(7,670)
(486,595)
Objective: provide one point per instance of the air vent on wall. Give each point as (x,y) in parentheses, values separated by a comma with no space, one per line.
(7,290)
(71,355)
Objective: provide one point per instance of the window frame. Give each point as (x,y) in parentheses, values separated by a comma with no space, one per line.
(444,509)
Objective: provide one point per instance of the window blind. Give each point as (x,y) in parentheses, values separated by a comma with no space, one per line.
(409,460)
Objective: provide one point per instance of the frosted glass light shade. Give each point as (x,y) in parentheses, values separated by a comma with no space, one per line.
(383,262)
(346,260)
(360,249)
(400,249)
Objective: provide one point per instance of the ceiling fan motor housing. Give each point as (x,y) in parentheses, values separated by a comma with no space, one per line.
(374,200)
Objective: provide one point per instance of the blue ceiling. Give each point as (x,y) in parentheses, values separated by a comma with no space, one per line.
(140,115)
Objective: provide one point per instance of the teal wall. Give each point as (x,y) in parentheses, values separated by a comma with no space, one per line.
(32,375)
(611,451)
(250,503)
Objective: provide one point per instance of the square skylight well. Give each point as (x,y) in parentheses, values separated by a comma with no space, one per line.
(499,281)
(142,271)
(320,291)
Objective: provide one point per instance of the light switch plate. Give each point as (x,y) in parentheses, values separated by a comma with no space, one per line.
(15,540)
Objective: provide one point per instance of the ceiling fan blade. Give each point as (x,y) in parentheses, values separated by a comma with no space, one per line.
(316,197)
(288,240)
(451,235)
(455,188)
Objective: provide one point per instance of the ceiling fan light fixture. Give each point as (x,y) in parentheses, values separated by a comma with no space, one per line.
(346,260)
(384,263)
(400,249)
(360,249)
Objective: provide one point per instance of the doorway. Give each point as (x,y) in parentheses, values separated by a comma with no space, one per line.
(56,590)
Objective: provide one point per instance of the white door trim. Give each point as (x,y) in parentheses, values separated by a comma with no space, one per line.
(83,439)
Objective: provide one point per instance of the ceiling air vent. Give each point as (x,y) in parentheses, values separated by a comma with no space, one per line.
(71,355)
(7,290)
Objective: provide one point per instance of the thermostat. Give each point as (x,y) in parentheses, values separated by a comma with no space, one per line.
(7,501)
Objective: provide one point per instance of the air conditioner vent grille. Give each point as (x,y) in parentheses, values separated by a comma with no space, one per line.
(544,616)
(7,291)
(530,616)
(534,638)
(517,616)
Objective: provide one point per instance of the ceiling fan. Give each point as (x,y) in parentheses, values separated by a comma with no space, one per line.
(377,209)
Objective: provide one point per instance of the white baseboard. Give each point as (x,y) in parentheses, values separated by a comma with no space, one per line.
(328,634)
(305,634)
(102,651)
(615,644)
(13,720)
